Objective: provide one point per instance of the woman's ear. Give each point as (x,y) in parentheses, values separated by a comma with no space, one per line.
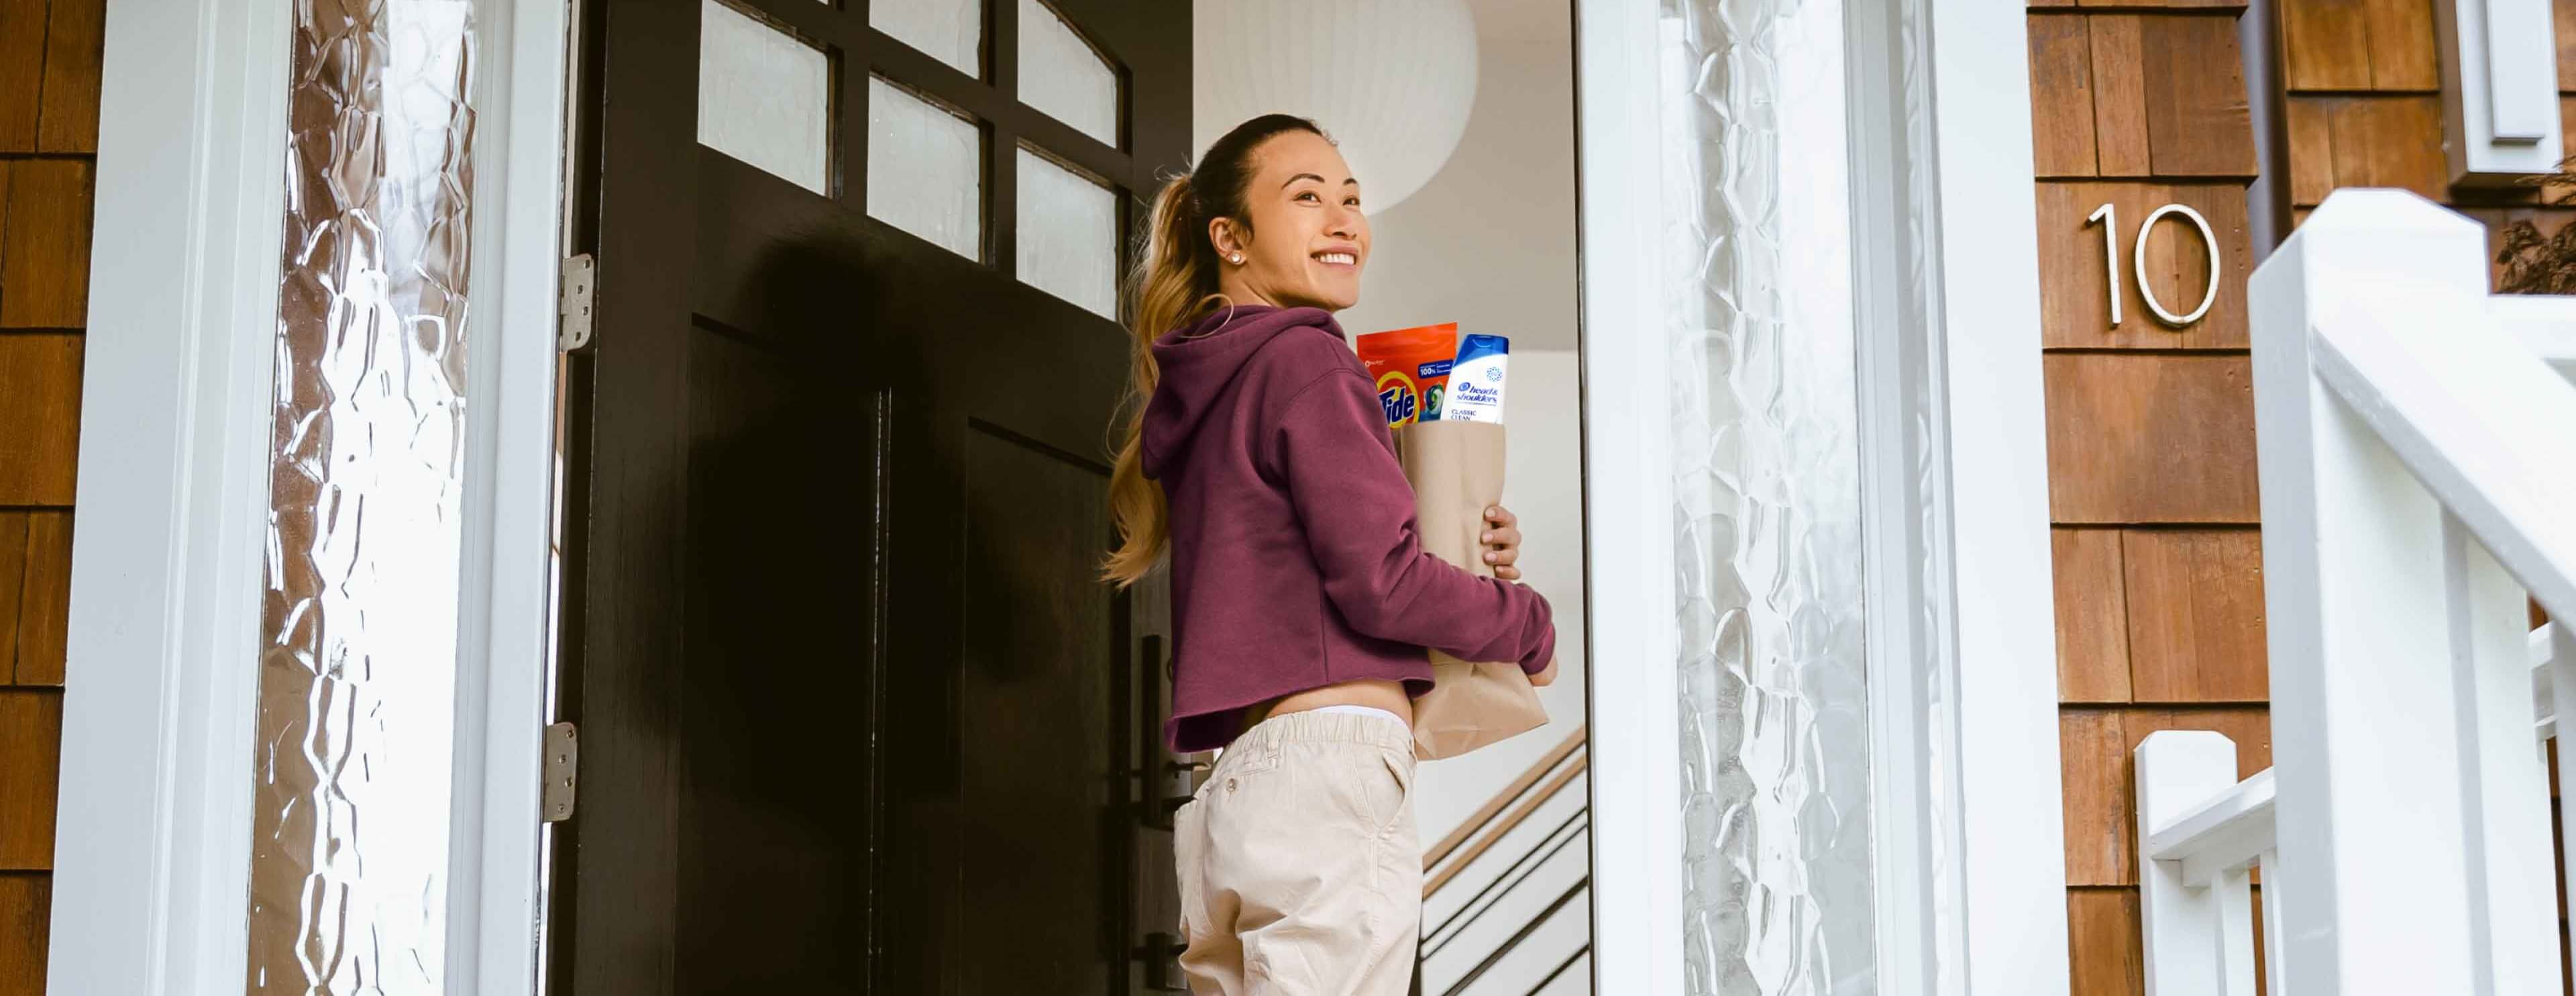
(1222,233)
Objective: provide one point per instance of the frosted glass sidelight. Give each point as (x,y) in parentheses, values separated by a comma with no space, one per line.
(1779,893)
(947,30)
(925,169)
(355,716)
(764,97)
(1068,235)
(1064,76)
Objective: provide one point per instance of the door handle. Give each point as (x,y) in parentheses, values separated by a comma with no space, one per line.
(1162,957)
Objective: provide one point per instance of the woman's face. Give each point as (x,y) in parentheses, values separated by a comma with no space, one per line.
(1309,240)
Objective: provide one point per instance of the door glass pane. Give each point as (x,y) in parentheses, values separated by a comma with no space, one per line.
(946,30)
(1064,76)
(352,776)
(1779,897)
(764,97)
(925,173)
(1068,235)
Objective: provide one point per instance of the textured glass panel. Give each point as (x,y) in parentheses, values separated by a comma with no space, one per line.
(764,97)
(357,675)
(1779,894)
(1064,76)
(946,30)
(925,173)
(1068,238)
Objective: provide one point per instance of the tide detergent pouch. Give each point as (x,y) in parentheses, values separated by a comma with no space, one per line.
(1411,368)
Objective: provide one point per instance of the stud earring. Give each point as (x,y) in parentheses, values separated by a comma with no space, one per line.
(1236,259)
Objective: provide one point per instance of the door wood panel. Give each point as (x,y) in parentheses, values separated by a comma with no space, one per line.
(850,690)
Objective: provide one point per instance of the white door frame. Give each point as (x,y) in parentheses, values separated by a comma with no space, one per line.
(152,844)
(1972,896)
(151,858)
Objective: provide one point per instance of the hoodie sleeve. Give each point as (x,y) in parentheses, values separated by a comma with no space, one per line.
(1331,447)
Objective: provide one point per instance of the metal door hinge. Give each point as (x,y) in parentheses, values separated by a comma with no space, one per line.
(580,276)
(563,757)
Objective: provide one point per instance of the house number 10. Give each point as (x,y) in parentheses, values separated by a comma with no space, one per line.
(2110,216)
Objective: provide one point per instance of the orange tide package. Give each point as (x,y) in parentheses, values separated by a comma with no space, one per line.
(1411,368)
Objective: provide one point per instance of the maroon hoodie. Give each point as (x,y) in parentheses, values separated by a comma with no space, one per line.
(1294,558)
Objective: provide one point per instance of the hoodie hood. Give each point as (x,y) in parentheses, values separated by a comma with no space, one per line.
(1200,363)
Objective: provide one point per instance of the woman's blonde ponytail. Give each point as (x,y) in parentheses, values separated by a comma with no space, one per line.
(1175,282)
(1167,282)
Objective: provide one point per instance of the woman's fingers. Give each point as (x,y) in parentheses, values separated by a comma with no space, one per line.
(1504,538)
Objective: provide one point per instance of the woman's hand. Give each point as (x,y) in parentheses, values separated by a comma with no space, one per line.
(1503,542)
(1546,676)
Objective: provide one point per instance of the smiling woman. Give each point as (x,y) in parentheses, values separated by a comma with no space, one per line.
(1303,594)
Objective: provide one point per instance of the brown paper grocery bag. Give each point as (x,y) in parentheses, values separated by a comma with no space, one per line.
(1457,472)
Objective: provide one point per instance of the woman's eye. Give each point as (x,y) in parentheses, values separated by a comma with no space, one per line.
(1308,196)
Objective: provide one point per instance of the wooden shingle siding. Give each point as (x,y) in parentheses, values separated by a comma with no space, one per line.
(75,40)
(50,55)
(2351,45)
(40,405)
(2120,95)
(2145,438)
(2195,616)
(44,250)
(2367,140)
(31,732)
(2092,615)
(2061,92)
(22,78)
(2092,745)
(45,598)
(2103,942)
(2197,122)
(13,584)
(2075,300)
(2152,491)
(25,899)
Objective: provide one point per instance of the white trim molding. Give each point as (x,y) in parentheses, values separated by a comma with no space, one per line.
(504,647)
(2011,820)
(152,837)
(1635,725)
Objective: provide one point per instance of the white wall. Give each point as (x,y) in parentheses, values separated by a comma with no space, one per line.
(1489,243)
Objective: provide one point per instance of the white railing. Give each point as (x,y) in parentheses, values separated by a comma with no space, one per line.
(2418,470)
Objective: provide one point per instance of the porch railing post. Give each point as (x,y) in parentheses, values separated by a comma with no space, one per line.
(2562,694)
(2198,941)
(2513,923)
(2366,736)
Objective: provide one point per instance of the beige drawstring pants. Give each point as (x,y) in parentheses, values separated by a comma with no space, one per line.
(1300,872)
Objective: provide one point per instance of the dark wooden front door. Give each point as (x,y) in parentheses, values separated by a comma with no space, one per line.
(855,713)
